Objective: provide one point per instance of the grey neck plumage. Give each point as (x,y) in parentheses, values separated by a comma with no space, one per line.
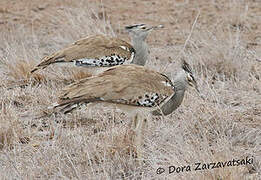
(175,101)
(141,49)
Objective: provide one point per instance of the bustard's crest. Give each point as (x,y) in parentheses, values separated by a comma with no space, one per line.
(141,26)
(186,67)
(141,29)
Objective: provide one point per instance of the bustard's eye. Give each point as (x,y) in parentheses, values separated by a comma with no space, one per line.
(143,27)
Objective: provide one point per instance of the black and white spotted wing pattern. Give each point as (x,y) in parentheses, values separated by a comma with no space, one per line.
(146,100)
(105,61)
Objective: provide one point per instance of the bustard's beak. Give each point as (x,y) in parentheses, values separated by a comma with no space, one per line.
(156,27)
(195,85)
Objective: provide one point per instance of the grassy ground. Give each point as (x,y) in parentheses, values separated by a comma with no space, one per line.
(223,47)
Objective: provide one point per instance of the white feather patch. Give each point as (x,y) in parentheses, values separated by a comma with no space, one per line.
(125,48)
(132,56)
(166,83)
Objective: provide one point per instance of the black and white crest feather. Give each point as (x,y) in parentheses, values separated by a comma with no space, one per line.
(134,26)
(186,67)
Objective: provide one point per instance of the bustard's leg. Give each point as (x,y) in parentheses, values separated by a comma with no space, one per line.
(139,124)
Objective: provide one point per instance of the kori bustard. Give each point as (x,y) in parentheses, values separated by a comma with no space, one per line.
(135,89)
(100,52)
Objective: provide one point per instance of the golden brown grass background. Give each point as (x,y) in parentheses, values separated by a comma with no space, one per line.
(223,47)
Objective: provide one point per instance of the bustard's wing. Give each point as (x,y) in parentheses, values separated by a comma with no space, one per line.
(127,84)
(96,50)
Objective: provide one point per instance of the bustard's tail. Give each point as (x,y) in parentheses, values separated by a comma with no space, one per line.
(52,110)
(58,108)
(65,106)
(68,105)
(46,61)
(37,68)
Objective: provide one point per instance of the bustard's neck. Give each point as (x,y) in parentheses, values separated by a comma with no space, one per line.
(141,49)
(180,86)
(180,81)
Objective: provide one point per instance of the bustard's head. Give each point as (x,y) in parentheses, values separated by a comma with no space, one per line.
(189,78)
(140,31)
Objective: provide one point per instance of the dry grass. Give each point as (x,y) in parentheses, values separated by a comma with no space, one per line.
(96,144)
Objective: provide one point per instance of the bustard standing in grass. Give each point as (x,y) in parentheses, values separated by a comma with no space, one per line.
(100,52)
(132,88)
